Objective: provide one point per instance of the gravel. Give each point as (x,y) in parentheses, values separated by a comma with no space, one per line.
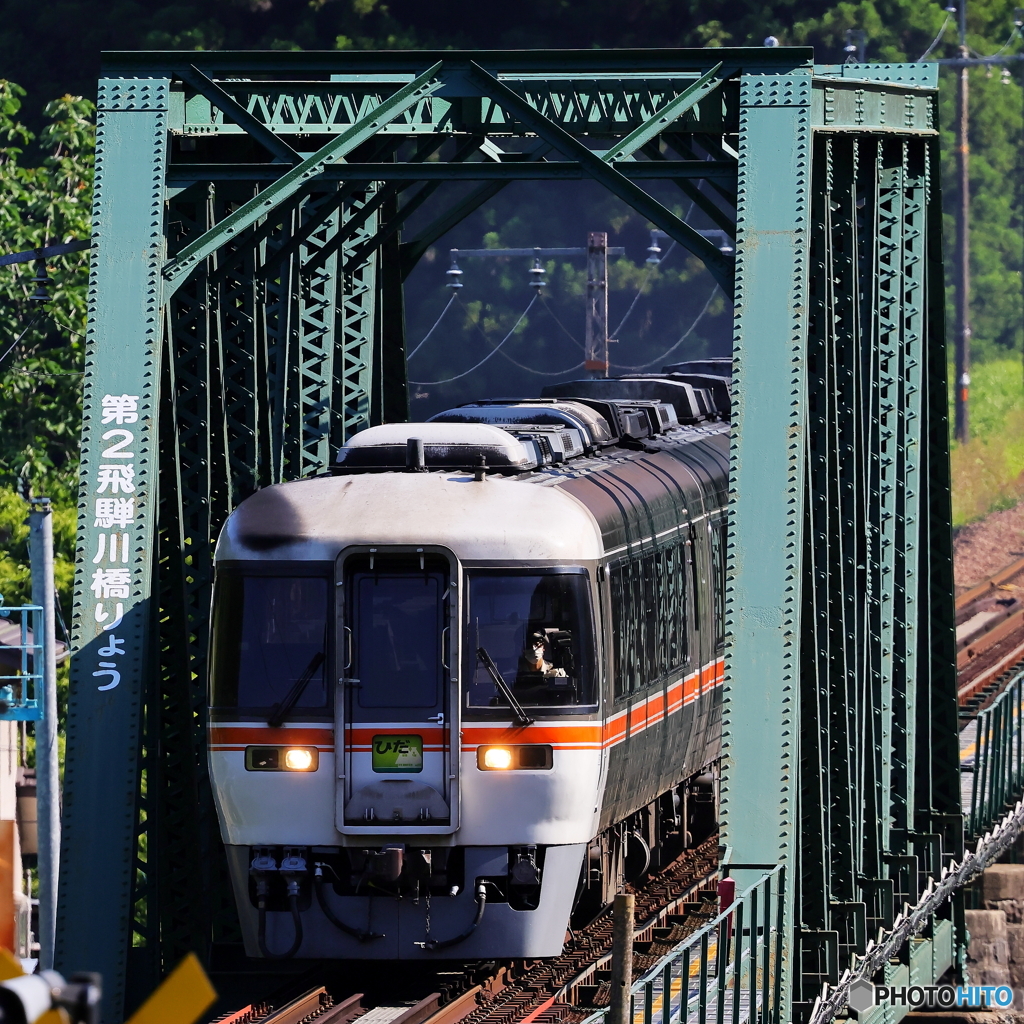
(981,549)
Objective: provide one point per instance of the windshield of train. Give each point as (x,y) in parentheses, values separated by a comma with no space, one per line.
(398,619)
(269,641)
(536,630)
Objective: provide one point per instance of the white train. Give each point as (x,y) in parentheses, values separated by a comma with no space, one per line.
(468,682)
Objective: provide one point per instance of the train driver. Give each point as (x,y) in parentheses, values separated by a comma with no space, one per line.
(534,665)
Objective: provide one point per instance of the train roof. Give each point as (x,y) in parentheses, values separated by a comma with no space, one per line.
(605,476)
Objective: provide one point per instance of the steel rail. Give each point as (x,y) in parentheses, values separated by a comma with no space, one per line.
(914,919)
(527,990)
(990,637)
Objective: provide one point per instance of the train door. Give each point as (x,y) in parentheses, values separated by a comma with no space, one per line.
(393,712)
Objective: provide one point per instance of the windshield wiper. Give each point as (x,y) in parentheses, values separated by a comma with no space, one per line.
(517,709)
(280,711)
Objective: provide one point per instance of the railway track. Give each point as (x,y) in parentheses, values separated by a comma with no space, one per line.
(989,637)
(670,905)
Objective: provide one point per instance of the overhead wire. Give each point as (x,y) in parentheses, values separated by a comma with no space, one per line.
(936,40)
(988,56)
(565,330)
(522,366)
(493,352)
(640,290)
(426,337)
(17,341)
(686,334)
(650,270)
(63,327)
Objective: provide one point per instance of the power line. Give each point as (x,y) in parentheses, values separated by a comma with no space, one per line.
(989,56)
(936,40)
(53,373)
(17,340)
(543,373)
(494,351)
(63,327)
(689,331)
(565,329)
(522,366)
(640,290)
(426,337)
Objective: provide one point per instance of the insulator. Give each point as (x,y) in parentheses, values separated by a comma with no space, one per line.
(653,254)
(453,274)
(42,282)
(537,276)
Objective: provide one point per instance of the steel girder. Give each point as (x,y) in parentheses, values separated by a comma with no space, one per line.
(246,317)
(879,810)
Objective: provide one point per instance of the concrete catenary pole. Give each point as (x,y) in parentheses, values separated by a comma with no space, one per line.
(962,339)
(47,768)
(596,355)
(623,909)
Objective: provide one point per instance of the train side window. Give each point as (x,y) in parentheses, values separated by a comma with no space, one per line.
(649,620)
(635,609)
(626,611)
(619,655)
(649,617)
(693,592)
(268,633)
(675,606)
(718,580)
(536,629)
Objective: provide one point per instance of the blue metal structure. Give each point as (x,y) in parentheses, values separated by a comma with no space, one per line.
(246,317)
(21,663)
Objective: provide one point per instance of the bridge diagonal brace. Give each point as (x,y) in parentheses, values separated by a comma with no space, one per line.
(416,247)
(233,109)
(465,150)
(720,266)
(426,149)
(300,175)
(393,226)
(267,228)
(692,190)
(682,145)
(669,114)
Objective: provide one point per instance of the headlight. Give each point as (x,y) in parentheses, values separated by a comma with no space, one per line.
(495,757)
(298,759)
(281,759)
(520,757)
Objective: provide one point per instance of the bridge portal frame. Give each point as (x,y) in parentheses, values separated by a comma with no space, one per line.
(246,316)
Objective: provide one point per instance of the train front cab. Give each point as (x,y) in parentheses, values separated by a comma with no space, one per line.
(420,797)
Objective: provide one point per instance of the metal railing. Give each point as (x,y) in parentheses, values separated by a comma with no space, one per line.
(21,663)
(728,972)
(998,759)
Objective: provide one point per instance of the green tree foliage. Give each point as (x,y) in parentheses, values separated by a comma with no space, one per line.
(658,314)
(41,342)
(47,200)
(55,49)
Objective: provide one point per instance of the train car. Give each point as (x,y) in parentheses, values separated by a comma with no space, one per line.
(467,683)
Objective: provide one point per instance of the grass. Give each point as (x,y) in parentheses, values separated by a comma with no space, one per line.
(988,471)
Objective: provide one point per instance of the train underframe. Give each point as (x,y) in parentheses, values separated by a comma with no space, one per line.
(404,902)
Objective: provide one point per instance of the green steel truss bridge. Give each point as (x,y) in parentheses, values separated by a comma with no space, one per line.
(246,317)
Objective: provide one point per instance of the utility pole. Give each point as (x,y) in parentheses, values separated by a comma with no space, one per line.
(47,768)
(620,1009)
(963,244)
(597,252)
(596,352)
